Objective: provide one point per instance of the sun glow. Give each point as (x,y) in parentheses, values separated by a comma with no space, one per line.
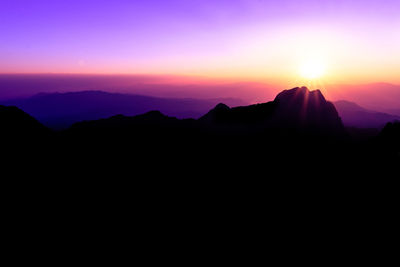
(312,69)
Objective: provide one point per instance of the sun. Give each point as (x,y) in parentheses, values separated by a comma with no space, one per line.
(312,69)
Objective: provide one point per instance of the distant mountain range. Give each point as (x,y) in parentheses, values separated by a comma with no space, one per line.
(354,115)
(381,97)
(61,110)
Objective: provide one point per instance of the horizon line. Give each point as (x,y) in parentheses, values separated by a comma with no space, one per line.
(202,77)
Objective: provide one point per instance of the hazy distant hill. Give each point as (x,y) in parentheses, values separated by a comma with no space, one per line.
(381,97)
(60,110)
(394,112)
(25,85)
(354,115)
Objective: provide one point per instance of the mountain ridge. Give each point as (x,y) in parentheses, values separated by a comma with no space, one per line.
(297,108)
(298,124)
(61,110)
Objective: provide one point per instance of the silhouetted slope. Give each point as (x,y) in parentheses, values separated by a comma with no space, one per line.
(137,123)
(16,123)
(150,130)
(389,138)
(253,114)
(61,110)
(217,114)
(355,116)
(23,139)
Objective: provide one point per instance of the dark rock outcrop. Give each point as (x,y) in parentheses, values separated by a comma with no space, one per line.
(297,108)
(301,108)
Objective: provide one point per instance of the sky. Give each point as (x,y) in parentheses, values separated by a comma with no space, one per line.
(344,41)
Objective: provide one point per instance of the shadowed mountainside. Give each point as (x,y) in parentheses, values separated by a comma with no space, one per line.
(355,116)
(381,97)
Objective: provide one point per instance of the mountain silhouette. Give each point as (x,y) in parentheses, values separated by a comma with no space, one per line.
(297,108)
(250,157)
(309,109)
(217,114)
(296,134)
(354,115)
(137,123)
(16,123)
(298,123)
(61,110)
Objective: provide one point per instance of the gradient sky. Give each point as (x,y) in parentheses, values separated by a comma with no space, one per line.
(356,40)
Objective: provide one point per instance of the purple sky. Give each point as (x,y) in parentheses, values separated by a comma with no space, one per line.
(358,40)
